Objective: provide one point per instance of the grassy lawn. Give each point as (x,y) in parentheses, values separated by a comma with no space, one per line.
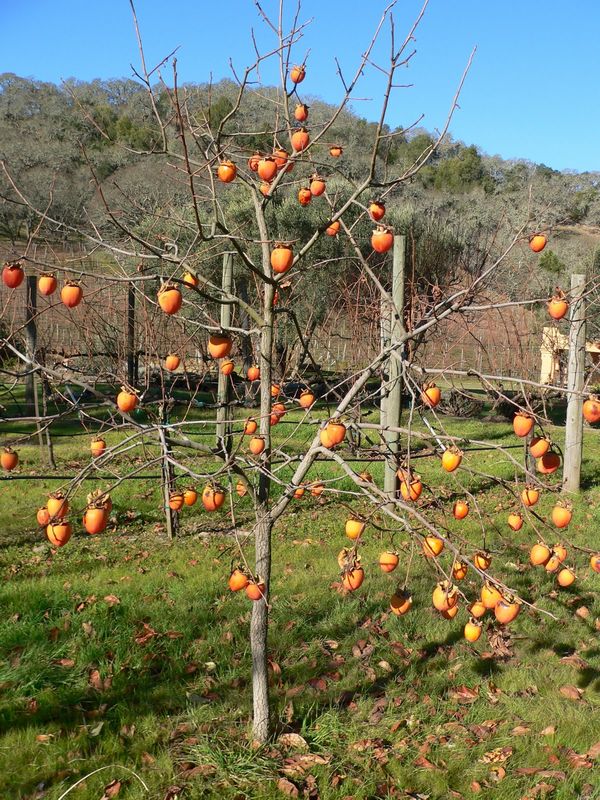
(127,650)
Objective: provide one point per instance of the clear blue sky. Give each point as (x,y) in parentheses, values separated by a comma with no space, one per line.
(532,92)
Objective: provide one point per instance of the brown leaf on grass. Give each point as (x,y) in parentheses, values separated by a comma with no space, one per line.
(44,737)
(173,793)
(53,634)
(194,771)
(594,751)
(370,674)
(400,649)
(485,729)
(147,759)
(287,788)
(127,731)
(95,680)
(475,787)
(571,692)
(88,628)
(576,660)
(464,694)
(362,649)
(293,741)
(379,707)
(540,790)
(365,744)
(145,635)
(111,790)
(424,763)
(32,706)
(576,760)
(582,612)
(497,774)
(497,755)
(557,774)
(550,730)
(501,644)
(520,730)
(65,662)
(318,684)
(300,765)
(112,600)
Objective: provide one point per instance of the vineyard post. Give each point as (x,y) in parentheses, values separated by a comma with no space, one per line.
(223,386)
(575,381)
(393,400)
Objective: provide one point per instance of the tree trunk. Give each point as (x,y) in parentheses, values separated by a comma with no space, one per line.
(262,536)
(223,429)
(31,343)
(259,628)
(132,359)
(575,384)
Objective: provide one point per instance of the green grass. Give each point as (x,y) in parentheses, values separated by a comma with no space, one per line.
(159,682)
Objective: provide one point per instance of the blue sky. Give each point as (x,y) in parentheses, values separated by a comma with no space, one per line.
(532,92)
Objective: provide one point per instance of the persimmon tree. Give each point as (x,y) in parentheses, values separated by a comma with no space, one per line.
(269,213)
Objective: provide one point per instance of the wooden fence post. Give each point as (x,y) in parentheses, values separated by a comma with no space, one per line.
(393,400)
(575,382)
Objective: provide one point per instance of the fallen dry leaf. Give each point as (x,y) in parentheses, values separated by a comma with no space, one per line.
(571,692)
(293,741)
(173,793)
(287,788)
(497,755)
(424,763)
(557,774)
(111,790)
(65,662)
(299,766)
(112,600)
(594,751)
(520,730)
(362,649)
(464,694)
(549,731)
(497,774)
(95,680)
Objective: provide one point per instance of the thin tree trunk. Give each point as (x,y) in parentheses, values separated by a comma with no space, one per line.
(167,475)
(132,360)
(259,627)
(575,384)
(262,536)
(224,414)
(31,342)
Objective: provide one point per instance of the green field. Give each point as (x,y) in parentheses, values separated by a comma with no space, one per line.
(126,650)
